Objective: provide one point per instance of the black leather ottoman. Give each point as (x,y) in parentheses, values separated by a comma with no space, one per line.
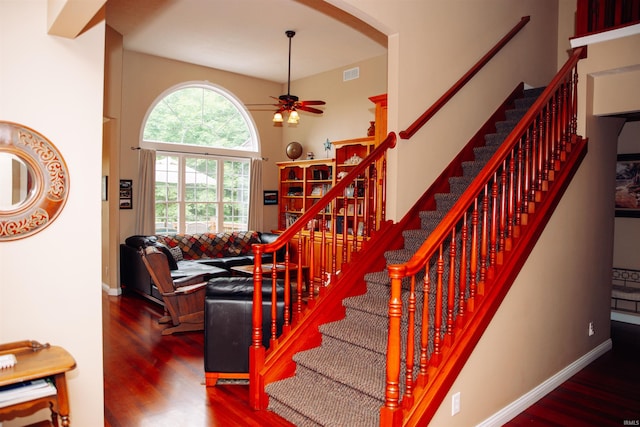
(227,325)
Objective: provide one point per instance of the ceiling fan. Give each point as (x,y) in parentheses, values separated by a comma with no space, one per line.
(290,104)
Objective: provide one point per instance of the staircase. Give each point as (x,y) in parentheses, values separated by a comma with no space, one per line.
(342,382)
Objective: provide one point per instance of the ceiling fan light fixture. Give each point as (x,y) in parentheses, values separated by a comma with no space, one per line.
(294,117)
(277,117)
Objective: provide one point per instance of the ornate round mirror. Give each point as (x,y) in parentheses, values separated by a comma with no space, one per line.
(34,181)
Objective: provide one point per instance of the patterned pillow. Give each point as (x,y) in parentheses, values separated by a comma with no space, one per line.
(176,253)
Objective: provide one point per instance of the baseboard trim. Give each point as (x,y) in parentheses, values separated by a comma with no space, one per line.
(110,291)
(522,403)
(625,317)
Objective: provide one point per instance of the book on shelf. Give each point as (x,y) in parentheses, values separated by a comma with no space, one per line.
(290,218)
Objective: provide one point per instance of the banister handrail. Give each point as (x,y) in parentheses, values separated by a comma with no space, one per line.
(431,111)
(439,234)
(335,191)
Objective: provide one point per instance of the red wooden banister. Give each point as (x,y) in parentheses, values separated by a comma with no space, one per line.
(327,243)
(597,16)
(431,111)
(468,262)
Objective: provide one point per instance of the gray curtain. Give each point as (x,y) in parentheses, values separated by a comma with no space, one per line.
(255,191)
(145,208)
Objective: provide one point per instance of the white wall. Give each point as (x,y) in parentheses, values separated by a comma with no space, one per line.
(348,110)
(50,288)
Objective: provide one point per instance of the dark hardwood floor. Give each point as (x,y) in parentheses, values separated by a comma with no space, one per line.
(156,381)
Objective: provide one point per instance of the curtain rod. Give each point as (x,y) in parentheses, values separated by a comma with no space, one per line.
(266,159)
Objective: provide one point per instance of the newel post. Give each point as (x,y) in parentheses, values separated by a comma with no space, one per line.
(256,351)
(391,413)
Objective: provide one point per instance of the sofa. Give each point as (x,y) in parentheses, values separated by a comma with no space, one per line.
(207,254)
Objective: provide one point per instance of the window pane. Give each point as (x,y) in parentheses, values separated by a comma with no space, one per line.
(166,193)
(199,116)
(236,194)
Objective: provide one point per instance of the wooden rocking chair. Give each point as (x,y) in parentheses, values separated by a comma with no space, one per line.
(183,298)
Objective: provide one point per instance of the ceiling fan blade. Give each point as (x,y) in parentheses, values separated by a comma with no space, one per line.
(309,109)
(312,103)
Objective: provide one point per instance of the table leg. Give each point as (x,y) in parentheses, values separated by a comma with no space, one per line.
(63,399)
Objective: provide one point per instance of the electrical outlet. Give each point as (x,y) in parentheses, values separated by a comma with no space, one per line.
(591,329)
(455,403)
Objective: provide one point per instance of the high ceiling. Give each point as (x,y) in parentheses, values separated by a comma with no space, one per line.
(246,36)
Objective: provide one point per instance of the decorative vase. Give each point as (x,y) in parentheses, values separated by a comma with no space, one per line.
(372,129)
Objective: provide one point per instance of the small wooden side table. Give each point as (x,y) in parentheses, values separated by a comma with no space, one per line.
(38,361)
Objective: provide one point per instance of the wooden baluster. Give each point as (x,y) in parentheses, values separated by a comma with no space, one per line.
(391,409)
(544,147)
(407,399)
(345,228)
(574,103)
(520,188)
(554,147)
(534,163)
(312,266)
(334,237)
(562,121)
(424,332)
(437,338)
(513,189)
(257,351)
(494,226)
(484,239)
(274,296)
(462,277)
(473,265)
(539,168)
(287,289)
(558,155)
(503,197)
(451,288)
(526,208)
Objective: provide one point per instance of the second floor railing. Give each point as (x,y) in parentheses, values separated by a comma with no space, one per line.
(594,16)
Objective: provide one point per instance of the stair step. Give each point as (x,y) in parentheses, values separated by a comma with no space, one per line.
(399,256)
(320,401)
(363,370)
(378,277)
(360,328)
(445,201)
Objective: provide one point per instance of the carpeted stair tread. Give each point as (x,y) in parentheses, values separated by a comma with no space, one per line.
(359,328)
(361,371)
(322,400)
(381,277)
(398,256)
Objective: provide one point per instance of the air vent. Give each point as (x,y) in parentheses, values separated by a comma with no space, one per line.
(351,74)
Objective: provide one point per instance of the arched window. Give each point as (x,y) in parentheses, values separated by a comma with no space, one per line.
(204,141)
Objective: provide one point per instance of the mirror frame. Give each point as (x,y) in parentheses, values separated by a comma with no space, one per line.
(50,179)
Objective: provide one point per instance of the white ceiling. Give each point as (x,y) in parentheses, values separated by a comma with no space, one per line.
(246,36)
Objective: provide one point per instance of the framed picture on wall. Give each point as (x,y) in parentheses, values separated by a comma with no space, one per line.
(126,194)
(628,185)
(271,197)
